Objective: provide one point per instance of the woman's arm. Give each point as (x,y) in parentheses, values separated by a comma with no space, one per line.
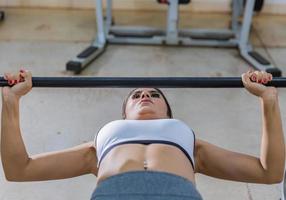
(269,168)
(17,165)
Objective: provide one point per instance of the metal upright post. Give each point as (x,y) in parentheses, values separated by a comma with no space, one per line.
(236,11)
(245,48)
(81,61)
(108,20)
(101,38)
(247,20)
(172,23)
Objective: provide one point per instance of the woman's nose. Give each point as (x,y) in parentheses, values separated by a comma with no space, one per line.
(144,94)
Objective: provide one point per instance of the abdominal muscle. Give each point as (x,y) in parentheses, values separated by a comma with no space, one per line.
(154,157)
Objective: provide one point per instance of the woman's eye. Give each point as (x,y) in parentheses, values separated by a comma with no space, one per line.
(155,95)
(135,96)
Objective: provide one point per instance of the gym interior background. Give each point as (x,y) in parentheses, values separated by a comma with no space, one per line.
(43,36)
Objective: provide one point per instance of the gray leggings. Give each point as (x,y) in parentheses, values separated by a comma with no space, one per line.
(142,185)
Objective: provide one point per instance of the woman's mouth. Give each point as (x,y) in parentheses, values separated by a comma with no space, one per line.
(145,101)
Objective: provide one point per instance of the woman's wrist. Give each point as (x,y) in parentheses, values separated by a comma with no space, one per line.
(11,99)
(270,95)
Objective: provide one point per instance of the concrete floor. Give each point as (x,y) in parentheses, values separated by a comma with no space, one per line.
(53,119)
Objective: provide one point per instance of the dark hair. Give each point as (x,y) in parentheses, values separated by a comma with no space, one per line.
(169,111)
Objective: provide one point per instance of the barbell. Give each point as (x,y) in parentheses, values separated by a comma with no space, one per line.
(130,82)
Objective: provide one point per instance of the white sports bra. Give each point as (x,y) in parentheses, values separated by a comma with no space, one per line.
(165,131)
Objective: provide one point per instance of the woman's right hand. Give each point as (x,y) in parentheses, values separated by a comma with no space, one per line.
(254,82)
(20,84)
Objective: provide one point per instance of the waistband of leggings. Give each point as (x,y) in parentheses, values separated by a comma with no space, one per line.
(147,172)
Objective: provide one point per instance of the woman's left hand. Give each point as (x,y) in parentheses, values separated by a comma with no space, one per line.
(254,82)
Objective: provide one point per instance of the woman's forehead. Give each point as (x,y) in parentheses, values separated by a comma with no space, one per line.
(144,89)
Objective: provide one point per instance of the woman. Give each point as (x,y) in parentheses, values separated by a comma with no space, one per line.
(147,155)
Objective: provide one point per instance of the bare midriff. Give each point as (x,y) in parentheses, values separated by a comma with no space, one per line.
(154,157)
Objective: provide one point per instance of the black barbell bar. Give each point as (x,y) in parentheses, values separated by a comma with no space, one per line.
(131,82)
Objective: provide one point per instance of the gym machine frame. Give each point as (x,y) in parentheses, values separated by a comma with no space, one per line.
(237,36)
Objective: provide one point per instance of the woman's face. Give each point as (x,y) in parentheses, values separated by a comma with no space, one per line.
(146,103)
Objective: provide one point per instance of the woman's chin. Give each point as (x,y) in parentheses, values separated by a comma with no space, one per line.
(146,115)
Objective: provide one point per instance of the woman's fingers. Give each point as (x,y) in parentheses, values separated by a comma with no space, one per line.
(249,77)
(257,77)
(11,78)
(5,76)
(260,77)
(264,77)
(20,84)
(246,78)
(26,76)
(21,76)
(254,81)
